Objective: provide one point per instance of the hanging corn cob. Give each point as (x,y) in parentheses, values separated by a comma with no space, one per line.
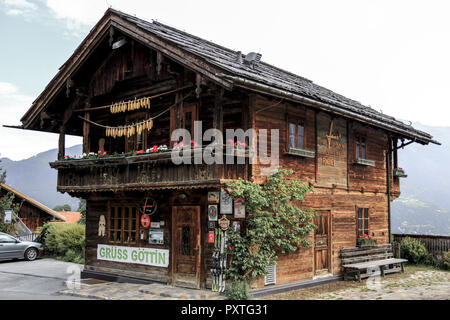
(130,105)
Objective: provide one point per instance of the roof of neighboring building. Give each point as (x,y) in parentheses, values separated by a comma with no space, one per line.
(226,65)
(33,202)
(71,217)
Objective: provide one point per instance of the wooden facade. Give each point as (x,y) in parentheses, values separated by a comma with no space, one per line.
(345,150)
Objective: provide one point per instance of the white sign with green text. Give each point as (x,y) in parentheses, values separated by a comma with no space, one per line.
(147,256)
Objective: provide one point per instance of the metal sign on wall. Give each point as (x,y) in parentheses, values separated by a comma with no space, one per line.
(147,256)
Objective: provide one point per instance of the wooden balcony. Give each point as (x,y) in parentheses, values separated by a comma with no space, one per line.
(143,172)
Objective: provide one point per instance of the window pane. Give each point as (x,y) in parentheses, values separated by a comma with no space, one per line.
(301,137)
(357,149)
(363,149)
(292,135)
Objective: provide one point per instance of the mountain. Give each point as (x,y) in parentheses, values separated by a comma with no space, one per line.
(35,178)
(424,204)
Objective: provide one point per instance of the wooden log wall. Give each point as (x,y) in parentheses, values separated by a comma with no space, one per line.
(341,192)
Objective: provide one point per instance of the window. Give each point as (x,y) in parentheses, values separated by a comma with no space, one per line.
(296,134)
(138,141)
(360,148)
(363,221)
(186,121)
(123,224)
(6,239)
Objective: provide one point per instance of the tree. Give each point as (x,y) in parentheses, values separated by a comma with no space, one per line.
(82,209)
(6,202)
(275,224)
(64,207)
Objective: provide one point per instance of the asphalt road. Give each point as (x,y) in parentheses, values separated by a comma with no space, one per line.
(35,280)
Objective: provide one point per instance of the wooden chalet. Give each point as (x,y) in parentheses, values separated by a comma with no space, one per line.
(346,150)
(32,213)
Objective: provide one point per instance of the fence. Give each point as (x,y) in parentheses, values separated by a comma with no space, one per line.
(434,244)
(28,237)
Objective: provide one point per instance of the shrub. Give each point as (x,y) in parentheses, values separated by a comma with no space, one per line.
(66,241)
(238,290)
(446,260)
(413,250)
(435,261)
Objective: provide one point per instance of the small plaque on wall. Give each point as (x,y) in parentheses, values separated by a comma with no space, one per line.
(212,224)
(212,212)
(226,203)
(239,208)
(213,197)
(211,237)
(156,237)
(237,226)
(155,224)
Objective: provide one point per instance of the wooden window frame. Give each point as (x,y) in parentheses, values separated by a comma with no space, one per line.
(112,225)
(297,121)
(365,223)
(187,107)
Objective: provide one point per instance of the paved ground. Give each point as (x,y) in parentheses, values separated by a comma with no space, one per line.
(417,283)
(35,280)
(129,291)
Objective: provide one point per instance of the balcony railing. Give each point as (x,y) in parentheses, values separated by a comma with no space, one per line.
(143,172)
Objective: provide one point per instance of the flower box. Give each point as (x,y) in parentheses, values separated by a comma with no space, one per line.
(365,162)
(366,240)
(302,153)
(399,172)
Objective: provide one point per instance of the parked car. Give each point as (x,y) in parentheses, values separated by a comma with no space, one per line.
(12,248)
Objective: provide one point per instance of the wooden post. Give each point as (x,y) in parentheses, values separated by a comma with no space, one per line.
(218,110)
(86,129)
(61,143)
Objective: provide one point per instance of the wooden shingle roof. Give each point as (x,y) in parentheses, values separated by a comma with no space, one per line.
(225,67)
(265,76)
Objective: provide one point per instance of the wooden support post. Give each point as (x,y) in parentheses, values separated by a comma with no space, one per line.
(61,143)
(86,129)
(218,109)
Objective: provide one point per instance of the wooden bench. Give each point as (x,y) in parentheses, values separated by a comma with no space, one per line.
(360,263)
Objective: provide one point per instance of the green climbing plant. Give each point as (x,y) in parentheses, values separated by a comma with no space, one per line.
(275,224)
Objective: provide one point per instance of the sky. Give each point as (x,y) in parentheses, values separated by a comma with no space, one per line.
(391,55)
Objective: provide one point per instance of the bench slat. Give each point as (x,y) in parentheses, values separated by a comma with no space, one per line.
(386,246)
(376,263)
(365,253)
(367,258)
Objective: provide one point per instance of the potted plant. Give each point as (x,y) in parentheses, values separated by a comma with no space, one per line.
(366,240)
(399,172)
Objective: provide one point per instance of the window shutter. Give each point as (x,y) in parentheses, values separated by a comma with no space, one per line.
(271,275)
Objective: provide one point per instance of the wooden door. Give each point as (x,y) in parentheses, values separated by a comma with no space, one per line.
(186,250)
(322,243)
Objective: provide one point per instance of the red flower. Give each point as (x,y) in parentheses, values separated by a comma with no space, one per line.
(230,247)
(140,151)
(104,153)
(99,151)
